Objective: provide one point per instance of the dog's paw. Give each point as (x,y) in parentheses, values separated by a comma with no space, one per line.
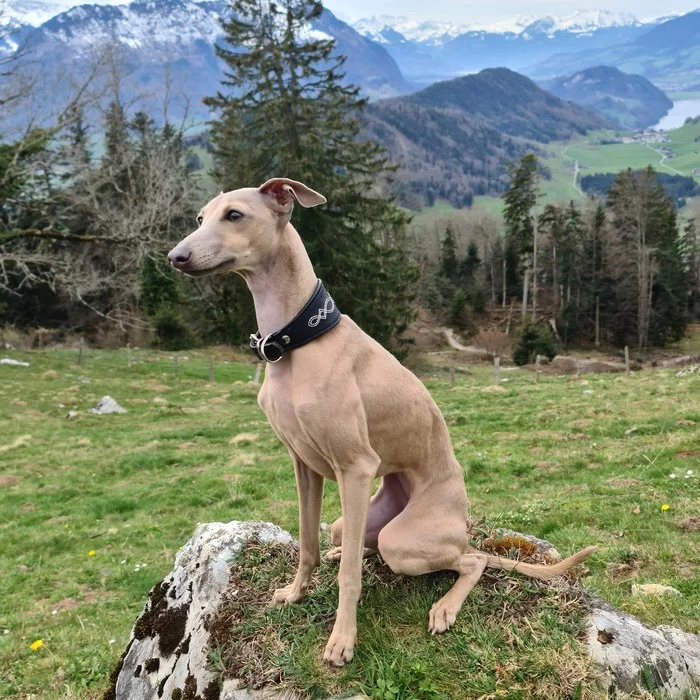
(289,594)
(335,553)
(340,647)
(442,617)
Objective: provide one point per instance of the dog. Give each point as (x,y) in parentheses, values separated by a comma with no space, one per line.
(346,410)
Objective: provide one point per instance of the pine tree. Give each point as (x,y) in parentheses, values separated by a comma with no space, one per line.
(157,286)
(285,101)
(470,264)
(646,262)
(690,253)
(448,256)
(520,199)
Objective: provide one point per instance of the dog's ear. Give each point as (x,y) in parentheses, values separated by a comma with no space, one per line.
(282,192)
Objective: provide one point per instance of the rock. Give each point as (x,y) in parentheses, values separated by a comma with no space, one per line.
(107,405)
(166,656)
(13,363)
(626,651)
(72,414)
(678,361)
(653,589)
(168,645)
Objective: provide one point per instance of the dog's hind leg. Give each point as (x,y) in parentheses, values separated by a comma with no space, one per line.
(389,500)
(423,539)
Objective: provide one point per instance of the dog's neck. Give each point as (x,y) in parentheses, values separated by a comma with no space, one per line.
(282,286)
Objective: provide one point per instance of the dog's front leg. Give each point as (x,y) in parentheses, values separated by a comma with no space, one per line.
(355,486)
(310,492)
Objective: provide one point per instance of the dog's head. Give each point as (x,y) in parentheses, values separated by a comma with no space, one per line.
(240,229)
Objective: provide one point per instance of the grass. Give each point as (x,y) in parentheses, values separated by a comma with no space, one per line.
(576,468)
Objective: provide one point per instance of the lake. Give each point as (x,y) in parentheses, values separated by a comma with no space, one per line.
(681,110)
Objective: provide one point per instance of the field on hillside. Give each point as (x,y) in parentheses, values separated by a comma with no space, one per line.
(93,508)
(606,158)
(592,158)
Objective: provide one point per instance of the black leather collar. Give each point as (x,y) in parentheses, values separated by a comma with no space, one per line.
(319,315)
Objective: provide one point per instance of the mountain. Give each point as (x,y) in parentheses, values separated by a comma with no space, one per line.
(167,41)
(425,50)
(454,139)
(628,101)
(668,54)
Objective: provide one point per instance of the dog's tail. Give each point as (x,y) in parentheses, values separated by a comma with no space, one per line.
(540,571)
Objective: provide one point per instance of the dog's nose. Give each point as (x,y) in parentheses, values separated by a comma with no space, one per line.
(179,258)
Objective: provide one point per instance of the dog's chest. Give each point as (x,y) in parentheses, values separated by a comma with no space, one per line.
(283,416)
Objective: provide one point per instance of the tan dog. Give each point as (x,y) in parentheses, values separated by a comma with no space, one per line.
(348,411)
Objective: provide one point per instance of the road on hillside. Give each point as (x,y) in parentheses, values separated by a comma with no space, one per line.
(663,158)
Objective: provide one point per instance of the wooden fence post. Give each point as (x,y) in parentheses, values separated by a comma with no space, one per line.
(497,370)
(537,367)
(258,372)
(627,360)
(211,370)
(176,366)
(452,376)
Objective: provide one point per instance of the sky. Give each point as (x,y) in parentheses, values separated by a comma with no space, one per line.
(478,11)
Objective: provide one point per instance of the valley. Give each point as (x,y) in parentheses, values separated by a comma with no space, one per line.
(588,155)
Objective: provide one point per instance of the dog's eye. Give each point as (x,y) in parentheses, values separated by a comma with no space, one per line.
(234,215)
(200,218)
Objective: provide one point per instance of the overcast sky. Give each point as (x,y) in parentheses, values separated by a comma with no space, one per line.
(468,11)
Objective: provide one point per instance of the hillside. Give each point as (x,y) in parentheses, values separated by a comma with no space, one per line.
(455,138)
(668,54)
(628,101)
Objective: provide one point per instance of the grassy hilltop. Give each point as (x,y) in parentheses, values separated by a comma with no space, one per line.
(95,507)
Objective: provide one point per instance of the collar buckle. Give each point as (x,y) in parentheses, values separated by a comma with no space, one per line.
(266,349)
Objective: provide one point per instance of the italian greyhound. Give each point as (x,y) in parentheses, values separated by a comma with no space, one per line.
(346,410)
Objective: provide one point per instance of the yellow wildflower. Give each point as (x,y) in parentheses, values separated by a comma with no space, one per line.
(37,644)
(91,553)
(665,506)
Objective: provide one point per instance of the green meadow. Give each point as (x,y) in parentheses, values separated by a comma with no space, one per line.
(94,507)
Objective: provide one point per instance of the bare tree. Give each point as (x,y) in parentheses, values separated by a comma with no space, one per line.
(81,223)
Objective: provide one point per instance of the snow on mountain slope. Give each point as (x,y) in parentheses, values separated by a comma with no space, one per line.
(414,30)
(36,12)
(427,32)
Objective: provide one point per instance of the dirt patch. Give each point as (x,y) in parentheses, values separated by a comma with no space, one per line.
(9,479)
(624,482)
(243,437)
(65,604)
(689,524)
(50,374)
(493,389)
(21,441)
(688,453)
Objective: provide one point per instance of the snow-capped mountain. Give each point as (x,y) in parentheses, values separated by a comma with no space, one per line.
(428,50)
(34,13)
(164,42)
(414,30)
(578,22)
